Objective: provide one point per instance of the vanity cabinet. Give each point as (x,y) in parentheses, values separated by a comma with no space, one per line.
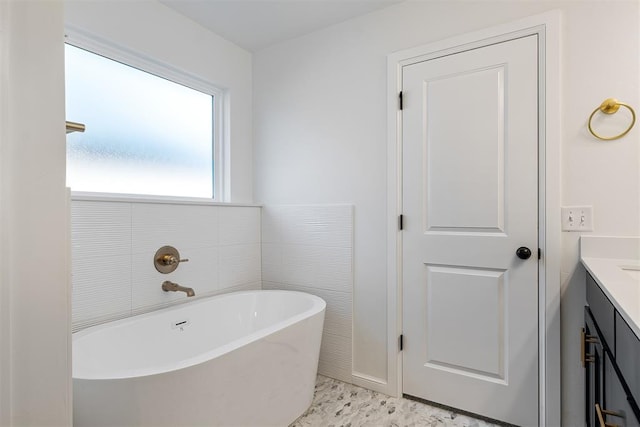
(610,353)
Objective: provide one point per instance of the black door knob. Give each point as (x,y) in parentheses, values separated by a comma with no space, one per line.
(523,253)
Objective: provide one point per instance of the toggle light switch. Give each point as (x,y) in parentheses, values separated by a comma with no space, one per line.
(577,218)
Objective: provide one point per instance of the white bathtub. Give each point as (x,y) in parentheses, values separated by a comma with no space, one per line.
(240,359)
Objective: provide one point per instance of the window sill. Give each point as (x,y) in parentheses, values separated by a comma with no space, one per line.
(152,199)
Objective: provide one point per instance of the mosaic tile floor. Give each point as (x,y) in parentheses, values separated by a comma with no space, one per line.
(337,404)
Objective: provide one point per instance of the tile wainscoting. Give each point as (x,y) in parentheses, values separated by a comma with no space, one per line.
(113,244)
(306,248)
(309,248)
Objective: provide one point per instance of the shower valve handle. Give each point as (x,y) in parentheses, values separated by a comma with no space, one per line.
(167,259)
(171,260)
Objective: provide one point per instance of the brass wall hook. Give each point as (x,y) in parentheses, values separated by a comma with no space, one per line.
(611,106)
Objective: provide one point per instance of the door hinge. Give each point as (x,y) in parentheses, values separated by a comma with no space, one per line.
(401,222)
(539,253)
(400,97)
(401,341)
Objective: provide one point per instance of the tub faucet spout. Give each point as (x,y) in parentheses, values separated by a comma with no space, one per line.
(168,286)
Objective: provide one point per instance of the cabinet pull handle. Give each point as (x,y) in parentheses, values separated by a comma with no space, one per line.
(584,339)
(600,411)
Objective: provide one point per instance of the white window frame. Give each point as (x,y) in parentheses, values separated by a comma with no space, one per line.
(169,72)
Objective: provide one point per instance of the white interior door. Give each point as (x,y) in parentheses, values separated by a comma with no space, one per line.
(470,200)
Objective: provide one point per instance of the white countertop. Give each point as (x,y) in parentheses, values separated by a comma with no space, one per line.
(614,262)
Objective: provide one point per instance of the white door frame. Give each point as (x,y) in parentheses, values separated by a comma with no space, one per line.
(547,27)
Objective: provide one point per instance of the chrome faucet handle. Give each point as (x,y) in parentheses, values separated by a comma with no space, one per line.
(167,259)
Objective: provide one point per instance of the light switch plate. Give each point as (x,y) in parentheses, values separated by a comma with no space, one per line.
(577,218)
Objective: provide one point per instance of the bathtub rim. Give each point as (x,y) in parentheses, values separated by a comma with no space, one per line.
(318,306)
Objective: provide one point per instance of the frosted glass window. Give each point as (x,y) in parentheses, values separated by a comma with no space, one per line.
(144,134)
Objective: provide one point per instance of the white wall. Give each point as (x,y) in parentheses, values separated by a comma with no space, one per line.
(35,297)
(114,243)
(151,29)
(320,137)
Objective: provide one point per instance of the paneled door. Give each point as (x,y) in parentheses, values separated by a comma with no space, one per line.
(470,239)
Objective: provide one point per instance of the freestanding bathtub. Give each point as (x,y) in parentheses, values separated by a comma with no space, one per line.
(239,359)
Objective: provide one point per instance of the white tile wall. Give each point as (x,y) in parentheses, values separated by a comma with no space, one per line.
(100,229)
(239,264)
(309,248)
(304,248)
(101,260)
(239,226)
(114,244)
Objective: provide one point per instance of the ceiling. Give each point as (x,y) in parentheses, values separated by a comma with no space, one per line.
(256,24)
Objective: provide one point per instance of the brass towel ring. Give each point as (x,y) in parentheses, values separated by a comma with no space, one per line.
(611,106)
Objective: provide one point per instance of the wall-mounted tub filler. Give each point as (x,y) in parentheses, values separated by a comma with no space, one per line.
(168,286)
(167,259)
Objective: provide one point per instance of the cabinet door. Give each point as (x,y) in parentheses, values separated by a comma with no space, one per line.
(628,356)
(593,371)
(603,313)
(616,408)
